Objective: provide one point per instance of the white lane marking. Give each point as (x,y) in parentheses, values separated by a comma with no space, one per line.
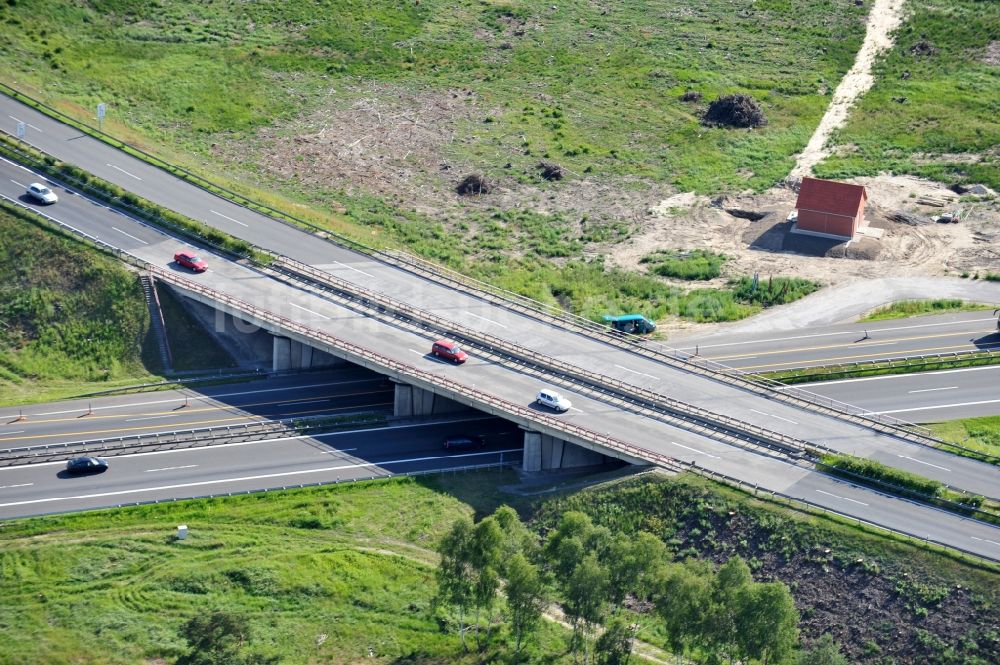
(483,318)
(240,479)
(416,352)
(309,310)
(171,468)
(771,415)
(636,372)
(229,218)
(843,332)
(344,265)
(695,450)
(124,171)
(198,397)
(300,437)
(18,184)
(913,459)
(986,540)
(930,390)
(130,235)
(843,498)
(340,450)
(169,415)
(20,431)
(573,408)
(26,123)
(5,487)
(941,406)
(310,401)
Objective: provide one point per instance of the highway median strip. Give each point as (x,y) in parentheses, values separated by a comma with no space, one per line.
(864,369)
(906,485)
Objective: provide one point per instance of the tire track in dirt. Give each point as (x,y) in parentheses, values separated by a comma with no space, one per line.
(884,18)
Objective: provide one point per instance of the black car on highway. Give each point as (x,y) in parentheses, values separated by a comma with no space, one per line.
(82,465)
(464,442)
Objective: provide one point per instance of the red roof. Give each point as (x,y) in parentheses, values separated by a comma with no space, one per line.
(838,198)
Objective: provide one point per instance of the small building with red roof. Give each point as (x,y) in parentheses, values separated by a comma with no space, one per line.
(830,208)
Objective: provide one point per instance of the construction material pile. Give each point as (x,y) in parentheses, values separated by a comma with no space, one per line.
(474,184)
(550,171)
(735,111)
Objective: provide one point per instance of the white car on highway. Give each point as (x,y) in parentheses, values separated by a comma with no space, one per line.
(41,193)
(553,400)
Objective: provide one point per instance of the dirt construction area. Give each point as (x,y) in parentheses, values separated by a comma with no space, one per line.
(411,147)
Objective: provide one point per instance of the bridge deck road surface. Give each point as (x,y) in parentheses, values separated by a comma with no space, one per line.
(443,301)
(157,248)
(299,395)
(850,343)
(238,467)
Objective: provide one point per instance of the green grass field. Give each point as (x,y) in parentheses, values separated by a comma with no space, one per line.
(981,434)
(575,82)
(326,574)
(946,128)
(71,320)
(595,89)
(907,308)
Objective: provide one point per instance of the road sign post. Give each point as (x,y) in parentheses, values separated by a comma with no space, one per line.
(101,109)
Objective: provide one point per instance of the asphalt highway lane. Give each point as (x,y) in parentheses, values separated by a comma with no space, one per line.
(853,342)
(240,281)
(45,488)
(243,283)
(966,392)
(332,392)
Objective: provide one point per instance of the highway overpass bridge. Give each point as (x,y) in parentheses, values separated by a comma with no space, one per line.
(630,402)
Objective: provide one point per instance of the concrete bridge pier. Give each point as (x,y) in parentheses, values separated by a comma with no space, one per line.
(543,452)
(290,354)
(414,401)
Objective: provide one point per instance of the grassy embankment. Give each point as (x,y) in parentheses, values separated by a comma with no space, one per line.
(907,308)
(71,319)
(74,321)
(982,434)
(945,126)
(328,573)
(523,62)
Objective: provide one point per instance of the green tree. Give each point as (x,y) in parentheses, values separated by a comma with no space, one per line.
(767,623)
(566,545)
(455,574)
(614,646)
(585,592)
(731,582)
(824,652)
(218,638)
(517,538)
(633,565)
(485,557)
(526,597)
(683,602)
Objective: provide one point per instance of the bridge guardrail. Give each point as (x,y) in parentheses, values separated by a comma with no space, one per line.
(366,356)
(627,392)
(523,304)
(765,387)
